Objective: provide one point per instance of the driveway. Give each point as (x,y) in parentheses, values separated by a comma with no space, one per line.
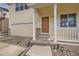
(13,46)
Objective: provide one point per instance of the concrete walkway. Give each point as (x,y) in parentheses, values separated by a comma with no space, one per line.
(10,50)
(37,50)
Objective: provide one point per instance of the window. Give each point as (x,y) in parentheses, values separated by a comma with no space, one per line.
(17,7)
(2,14)
(68,20)
(63,20)
(26,7)
(72,20)
(21,6)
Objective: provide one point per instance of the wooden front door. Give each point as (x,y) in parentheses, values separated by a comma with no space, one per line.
(45,24)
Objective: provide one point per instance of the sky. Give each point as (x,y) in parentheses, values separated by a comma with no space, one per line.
(4,5)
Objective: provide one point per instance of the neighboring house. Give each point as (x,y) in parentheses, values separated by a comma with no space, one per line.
(4,21)
(58,22)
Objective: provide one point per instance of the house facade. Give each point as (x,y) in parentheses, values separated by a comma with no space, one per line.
(4,21)
(58,22)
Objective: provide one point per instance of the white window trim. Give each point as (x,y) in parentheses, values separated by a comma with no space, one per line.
(67,18)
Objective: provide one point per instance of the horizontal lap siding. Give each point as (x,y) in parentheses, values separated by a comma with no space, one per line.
(5,25)
(21,22)
(22,30)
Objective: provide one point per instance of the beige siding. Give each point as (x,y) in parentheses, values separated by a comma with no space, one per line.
(5,25)
(38,19)
(0,25)
(22,30)
(21,22)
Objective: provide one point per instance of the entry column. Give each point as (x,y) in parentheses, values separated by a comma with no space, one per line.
(34,26)
(55,22)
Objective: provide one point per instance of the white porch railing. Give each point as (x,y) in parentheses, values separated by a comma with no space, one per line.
(70,35)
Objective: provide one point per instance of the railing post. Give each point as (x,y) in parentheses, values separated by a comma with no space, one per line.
(55,22)
(34,27)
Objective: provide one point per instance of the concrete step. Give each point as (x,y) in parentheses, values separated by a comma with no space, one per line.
(44,35)
(40,42)
(43,38)
(2,34)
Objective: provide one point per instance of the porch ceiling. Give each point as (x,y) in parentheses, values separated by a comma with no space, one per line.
(39,5)
(45,11)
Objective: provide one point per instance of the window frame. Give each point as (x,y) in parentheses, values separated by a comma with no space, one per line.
(17,6)
(62,20)
(20,7)
(68,16)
